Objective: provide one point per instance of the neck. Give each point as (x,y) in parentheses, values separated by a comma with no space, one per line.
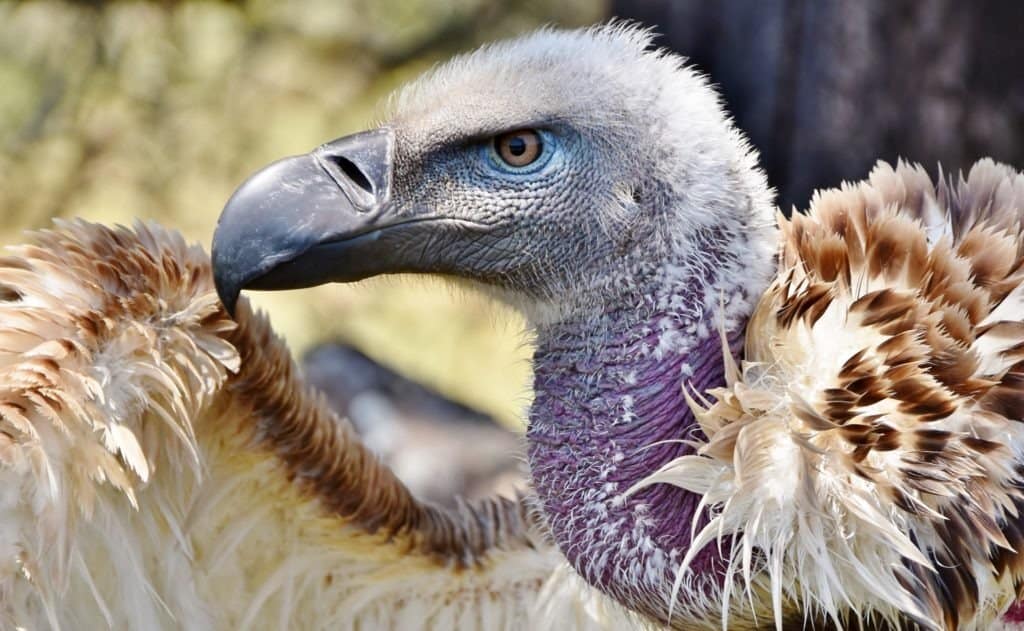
(609,410)
(340,473)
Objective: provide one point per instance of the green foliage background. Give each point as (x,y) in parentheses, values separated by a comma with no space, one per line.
(116,111)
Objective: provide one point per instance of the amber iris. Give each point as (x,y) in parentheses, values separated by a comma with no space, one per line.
(518,148)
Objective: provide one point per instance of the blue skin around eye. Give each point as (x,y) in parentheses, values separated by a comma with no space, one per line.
(549,148)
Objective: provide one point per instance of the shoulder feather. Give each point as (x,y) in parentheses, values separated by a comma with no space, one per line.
(871,444)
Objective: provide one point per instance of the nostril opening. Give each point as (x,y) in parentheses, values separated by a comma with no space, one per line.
(354,174)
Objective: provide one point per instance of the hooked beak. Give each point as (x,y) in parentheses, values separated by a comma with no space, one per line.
(326,216)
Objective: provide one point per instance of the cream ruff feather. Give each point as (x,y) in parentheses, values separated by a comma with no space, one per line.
(864,460)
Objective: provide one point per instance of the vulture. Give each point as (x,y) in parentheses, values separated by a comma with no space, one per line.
(740,420)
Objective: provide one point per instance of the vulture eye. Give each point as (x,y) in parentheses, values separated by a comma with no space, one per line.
(519,148)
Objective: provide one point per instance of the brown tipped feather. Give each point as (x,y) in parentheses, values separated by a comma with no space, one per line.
(890,342)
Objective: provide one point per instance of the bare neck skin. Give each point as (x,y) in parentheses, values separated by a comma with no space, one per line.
(609,410)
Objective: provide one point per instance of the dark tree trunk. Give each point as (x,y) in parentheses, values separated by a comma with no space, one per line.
(825,88)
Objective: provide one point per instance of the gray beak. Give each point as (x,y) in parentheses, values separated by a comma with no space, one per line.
(330,216)
(295,223)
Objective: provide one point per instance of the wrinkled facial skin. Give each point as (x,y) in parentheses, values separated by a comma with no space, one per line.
(542,232)
(547,232)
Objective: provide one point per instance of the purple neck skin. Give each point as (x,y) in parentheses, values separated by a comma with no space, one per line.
(606,395)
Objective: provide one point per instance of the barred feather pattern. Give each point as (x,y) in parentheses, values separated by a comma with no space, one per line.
(865,456)
(163,467)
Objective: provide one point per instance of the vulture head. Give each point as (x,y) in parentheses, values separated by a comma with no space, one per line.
(599,186)
(560,171)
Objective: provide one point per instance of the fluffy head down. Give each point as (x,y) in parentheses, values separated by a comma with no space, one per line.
(641,166)
(866,455)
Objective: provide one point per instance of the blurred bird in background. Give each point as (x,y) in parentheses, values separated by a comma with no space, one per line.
(440,448)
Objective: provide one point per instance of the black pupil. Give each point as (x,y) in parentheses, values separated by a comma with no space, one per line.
(517,146)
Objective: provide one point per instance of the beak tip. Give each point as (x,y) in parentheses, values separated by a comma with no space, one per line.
(224,281)
(291,206)
(228,295)
(230,307)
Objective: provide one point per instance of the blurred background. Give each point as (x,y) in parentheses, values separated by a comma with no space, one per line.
(158,110)
(825,88)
